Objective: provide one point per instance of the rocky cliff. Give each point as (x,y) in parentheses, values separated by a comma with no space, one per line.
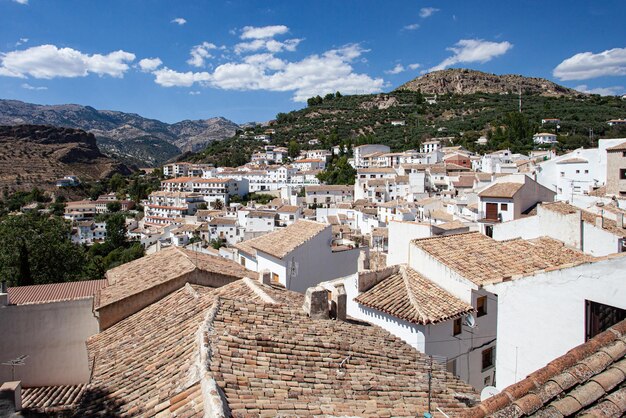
(463,81)
(37,155)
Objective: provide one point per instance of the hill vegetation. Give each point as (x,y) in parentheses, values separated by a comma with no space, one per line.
(457,117)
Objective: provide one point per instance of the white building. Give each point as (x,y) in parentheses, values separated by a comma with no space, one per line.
(591,233)
(492,163)
(308,164)
(508,198)
(328,194)
(430,146)
(163,207)
(559,307)
(577,172)
(363,150)
(299,256)
(544,138)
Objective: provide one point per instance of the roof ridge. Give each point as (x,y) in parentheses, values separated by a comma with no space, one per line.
(258,290)
(409,291)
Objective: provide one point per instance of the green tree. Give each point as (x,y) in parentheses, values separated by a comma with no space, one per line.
(116,230)
(37,249)
(117,182)
(294,149)
(339,171)
(114,206)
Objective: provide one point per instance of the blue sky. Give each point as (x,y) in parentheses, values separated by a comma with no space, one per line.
(248,60)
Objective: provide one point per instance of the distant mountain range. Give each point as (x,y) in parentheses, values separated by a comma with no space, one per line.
(465,81)
(36,156)
(126,136)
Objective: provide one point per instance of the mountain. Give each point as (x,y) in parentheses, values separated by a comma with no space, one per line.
(469,104)
(465,81)
(126,136)
(37,155)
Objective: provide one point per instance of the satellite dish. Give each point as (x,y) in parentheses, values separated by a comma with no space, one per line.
(488,392)
(470,321)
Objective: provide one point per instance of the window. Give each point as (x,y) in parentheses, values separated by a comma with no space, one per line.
(457,326)
(622,173)
(504,206)
(577,171)
(562,173)
(586,171)
(274,278)
(599,317)
(481,306)
(487,358)
(242,261)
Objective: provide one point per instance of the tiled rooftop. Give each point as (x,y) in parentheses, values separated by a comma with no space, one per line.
(589,380)
(408,295)
(507,190)
(484,260)
(51,399)
(588,217)
(54,292)
(273,360)
(266,355)
(281,242)
(155,269)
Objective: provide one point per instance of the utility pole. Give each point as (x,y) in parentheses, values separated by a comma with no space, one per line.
(520,98)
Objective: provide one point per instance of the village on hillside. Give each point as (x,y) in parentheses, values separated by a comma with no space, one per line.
(441,280)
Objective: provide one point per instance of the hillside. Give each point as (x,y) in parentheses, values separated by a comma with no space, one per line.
(463,117)
(464,81)
(126,136)
(35,155)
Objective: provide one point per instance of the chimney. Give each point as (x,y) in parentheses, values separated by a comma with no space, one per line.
(4,293)
(600,222)
(265,277)
(11,392)
(316,302)
(338,305)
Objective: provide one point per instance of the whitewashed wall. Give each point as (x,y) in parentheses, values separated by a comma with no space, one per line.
(53,337)
(541,317)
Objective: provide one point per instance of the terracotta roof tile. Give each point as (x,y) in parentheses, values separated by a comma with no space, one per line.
(484,260)
(506,190)
(281,242)
(54,292)
(51,399)
(273,360)
(586,381)
(152,270)
(588,217)
(408,295)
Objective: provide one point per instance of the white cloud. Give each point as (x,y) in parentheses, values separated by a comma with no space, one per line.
(427,11)
(585,65)
(473,50)
(602,91)
(21,41)
(29,87)
(150,64)
(412,26)
(200,53)
(315,74)
(48,61)
(21,1)
(170,78)
(252,32)
(179,21)
(399,68)
(194,93)
(271,45)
